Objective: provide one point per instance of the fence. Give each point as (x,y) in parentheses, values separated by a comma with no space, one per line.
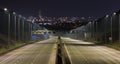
(14,28)
(105,29)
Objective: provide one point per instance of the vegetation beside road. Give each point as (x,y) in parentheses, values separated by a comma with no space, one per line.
(10,47)
(114,45)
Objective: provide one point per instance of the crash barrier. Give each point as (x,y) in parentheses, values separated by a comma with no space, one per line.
(62,55)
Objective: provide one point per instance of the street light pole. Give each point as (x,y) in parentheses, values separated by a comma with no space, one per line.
(30,29)
(15,24)
(6,10)
(90,31)
(111,30)
(9,27)
(93,30)
(106,19)
(96,31)
(119,28)
(111,27)
(19,28)
(23,28)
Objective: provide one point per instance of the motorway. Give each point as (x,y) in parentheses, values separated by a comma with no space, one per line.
(43,52)
(81,52)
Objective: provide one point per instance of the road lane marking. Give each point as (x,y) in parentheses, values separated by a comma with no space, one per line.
(68,54)
(53,55)
(13,55)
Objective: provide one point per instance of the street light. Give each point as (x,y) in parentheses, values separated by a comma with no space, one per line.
(119,27)
(30,30)
(106,19)
(7,12)
(111,26)
(15,24)
(23,31)
(96,30)
(90,30)
(14,13)
(107,16)
(5,9)
(19,27)
(93,30)
(114,13)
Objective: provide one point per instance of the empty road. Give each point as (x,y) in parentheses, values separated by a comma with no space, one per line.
(43,52)
(81,52)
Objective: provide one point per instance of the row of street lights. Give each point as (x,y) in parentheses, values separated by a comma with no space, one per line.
(105,29)
(20,29)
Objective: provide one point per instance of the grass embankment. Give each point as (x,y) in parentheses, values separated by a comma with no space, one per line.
(4,50)
(4,47)
(11,47)
(114,45)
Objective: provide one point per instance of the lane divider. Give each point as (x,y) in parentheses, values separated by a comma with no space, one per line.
(63,56)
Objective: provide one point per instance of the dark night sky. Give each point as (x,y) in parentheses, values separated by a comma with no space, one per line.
(96,8)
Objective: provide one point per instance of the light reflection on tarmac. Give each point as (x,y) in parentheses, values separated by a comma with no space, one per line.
(42,52)
(81,52)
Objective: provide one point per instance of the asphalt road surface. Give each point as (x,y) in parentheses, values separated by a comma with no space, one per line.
(43,52)
(81,52)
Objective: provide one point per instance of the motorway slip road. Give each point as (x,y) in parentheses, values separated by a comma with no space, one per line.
(81,52)
(43,52)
